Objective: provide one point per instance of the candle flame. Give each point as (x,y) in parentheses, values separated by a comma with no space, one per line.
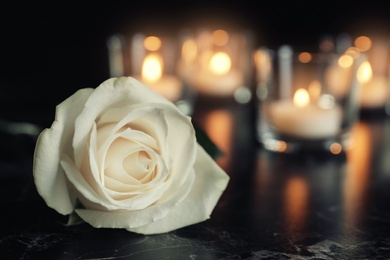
(152,68)
(364,73)
(301,98)
(220,63)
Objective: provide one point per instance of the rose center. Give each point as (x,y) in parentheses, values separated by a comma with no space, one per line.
(138,165)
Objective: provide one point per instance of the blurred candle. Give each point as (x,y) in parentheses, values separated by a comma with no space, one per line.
(152,71)
(168,86)
(338,75)
(302,118)
(374,73)
(218,77)
(221,63)
(375,88)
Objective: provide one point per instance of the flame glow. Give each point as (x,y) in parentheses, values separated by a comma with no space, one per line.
(152,68)
(364,73)
(220,63)
(301,98)
(345,61)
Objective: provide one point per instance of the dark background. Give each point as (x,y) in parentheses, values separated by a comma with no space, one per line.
(50,50)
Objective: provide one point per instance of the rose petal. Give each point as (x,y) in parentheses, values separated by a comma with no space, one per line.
(82,186)
(132,219)
(152,134)
(114,92)
(197,206)
(134,117)
(209,185)
(52,142)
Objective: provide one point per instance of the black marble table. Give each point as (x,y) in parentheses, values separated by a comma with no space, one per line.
(276,206)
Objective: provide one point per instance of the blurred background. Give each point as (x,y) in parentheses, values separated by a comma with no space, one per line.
(48,51)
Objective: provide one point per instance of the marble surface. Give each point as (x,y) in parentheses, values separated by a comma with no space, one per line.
(275,207)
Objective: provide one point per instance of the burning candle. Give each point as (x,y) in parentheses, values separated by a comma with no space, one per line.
(375,88)
(374,73)
(152,71)
(302,118)
(218,77)
(217,62)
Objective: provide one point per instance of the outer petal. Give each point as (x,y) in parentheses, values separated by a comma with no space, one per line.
(209,185)
(51,144)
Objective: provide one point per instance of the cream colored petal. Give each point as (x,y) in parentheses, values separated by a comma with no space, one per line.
(49,177)
(114,92)
(83,188)
(196,207)
(209,185)
(144,118)
(132,219)
(182,145)
(89,167)
(172,130)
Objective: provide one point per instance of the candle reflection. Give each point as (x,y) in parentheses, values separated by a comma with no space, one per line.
(357,177)
(296,203)
(218,124)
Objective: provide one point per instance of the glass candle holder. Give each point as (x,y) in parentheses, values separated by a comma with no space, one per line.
(375,91)
(306,101)
(152,59)
(217,64)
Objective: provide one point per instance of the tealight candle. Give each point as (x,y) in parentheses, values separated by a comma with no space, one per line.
(217,63)
(168,86)
(217,77)
(374,73)
(375,88)
(307,101)
(301,118)
(375,93)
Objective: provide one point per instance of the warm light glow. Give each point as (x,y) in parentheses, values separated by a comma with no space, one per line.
(314,90)
(363,43)
(359,167)
(301,98)
(263,65)
(220,63)
(364,73)
(353,52)
(220,37)
(296,197)
(189,50)
(152,68)
(345,61)
(218,125)
(282,146)
(335,148)
(304,57)
(152,43)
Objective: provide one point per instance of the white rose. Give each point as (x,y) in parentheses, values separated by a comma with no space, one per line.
(130,157)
